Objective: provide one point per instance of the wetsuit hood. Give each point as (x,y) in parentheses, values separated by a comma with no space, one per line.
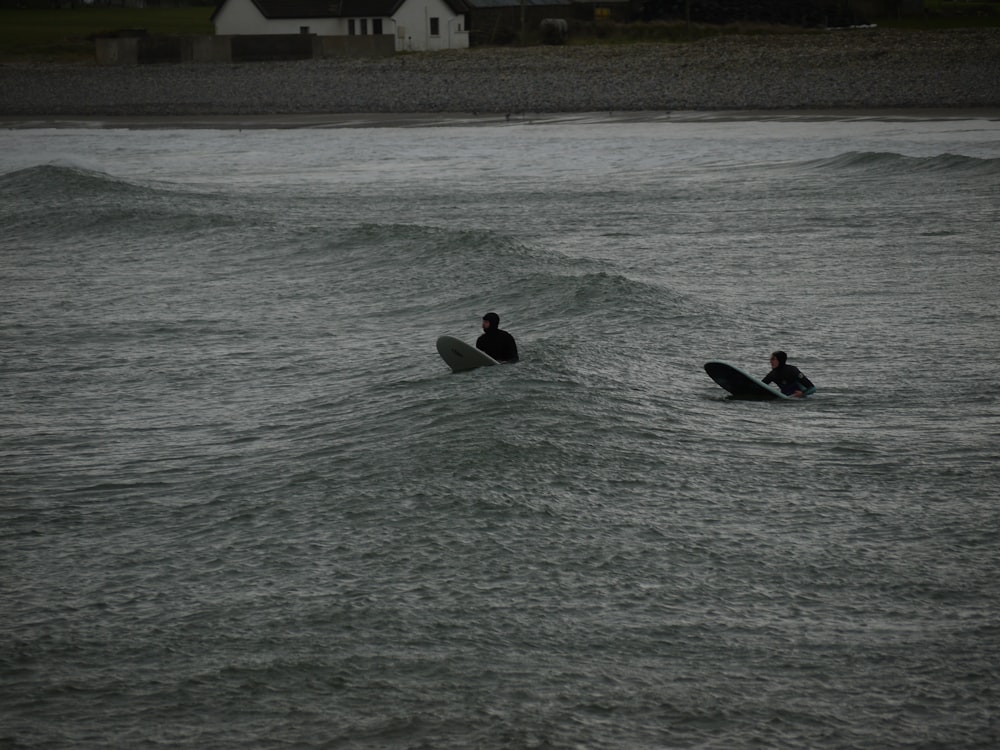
(494,321)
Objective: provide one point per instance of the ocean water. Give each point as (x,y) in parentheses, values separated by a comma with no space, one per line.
(243,503)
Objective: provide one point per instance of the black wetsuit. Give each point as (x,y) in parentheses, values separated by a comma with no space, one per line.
(789,379)
(498,344)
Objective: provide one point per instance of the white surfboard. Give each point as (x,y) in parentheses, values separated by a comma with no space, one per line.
(461,356)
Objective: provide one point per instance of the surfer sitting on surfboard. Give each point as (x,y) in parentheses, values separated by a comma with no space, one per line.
(497,343)
(788,377)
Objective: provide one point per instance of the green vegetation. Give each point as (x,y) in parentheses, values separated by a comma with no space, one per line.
(940,15)
(604,32)
(949,14)
(67,34)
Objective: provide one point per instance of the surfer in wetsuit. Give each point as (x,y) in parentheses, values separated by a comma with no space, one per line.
(788,377)
(497,343)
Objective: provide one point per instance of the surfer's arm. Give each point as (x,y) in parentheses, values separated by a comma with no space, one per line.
(510,355)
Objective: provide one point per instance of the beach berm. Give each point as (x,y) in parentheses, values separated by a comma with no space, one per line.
(852,68)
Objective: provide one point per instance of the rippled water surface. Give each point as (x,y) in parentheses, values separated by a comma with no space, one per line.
(245,504)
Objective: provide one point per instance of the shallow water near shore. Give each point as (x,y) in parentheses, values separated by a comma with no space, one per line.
(245,504)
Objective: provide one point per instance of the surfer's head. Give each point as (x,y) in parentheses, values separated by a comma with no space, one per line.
(494,321)
(779,357)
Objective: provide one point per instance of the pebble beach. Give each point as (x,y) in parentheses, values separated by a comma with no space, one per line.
(844,69)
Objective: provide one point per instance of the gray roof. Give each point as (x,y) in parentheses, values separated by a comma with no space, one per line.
(516,3)
(474,4)
(335,8)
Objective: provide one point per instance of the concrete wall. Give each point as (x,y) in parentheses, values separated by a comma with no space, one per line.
(265,48)
(117,51)
(209,49)
(242,48)
(382,45)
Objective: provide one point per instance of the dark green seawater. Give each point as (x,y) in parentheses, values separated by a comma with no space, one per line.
(243,503)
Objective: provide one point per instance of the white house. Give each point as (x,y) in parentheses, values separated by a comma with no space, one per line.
(417,25)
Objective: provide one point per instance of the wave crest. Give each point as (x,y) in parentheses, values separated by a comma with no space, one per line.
(892,163)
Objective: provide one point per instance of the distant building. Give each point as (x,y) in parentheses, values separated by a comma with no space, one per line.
(419,25)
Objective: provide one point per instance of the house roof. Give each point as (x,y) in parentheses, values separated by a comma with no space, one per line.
(517,3)
(335,8)
(326,8)
(483,4)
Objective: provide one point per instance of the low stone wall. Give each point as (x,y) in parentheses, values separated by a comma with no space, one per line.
(371,45)
(141,50)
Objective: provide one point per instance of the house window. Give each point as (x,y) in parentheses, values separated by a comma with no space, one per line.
(364,26)
(303,29)
(376,25)
(350,27)
(435,27)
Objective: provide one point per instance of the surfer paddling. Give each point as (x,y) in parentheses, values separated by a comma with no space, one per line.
(788,377)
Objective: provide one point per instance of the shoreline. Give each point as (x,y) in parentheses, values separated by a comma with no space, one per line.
(848,70)
(444,119)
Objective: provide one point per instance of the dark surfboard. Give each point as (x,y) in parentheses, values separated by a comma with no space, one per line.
(741,384)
